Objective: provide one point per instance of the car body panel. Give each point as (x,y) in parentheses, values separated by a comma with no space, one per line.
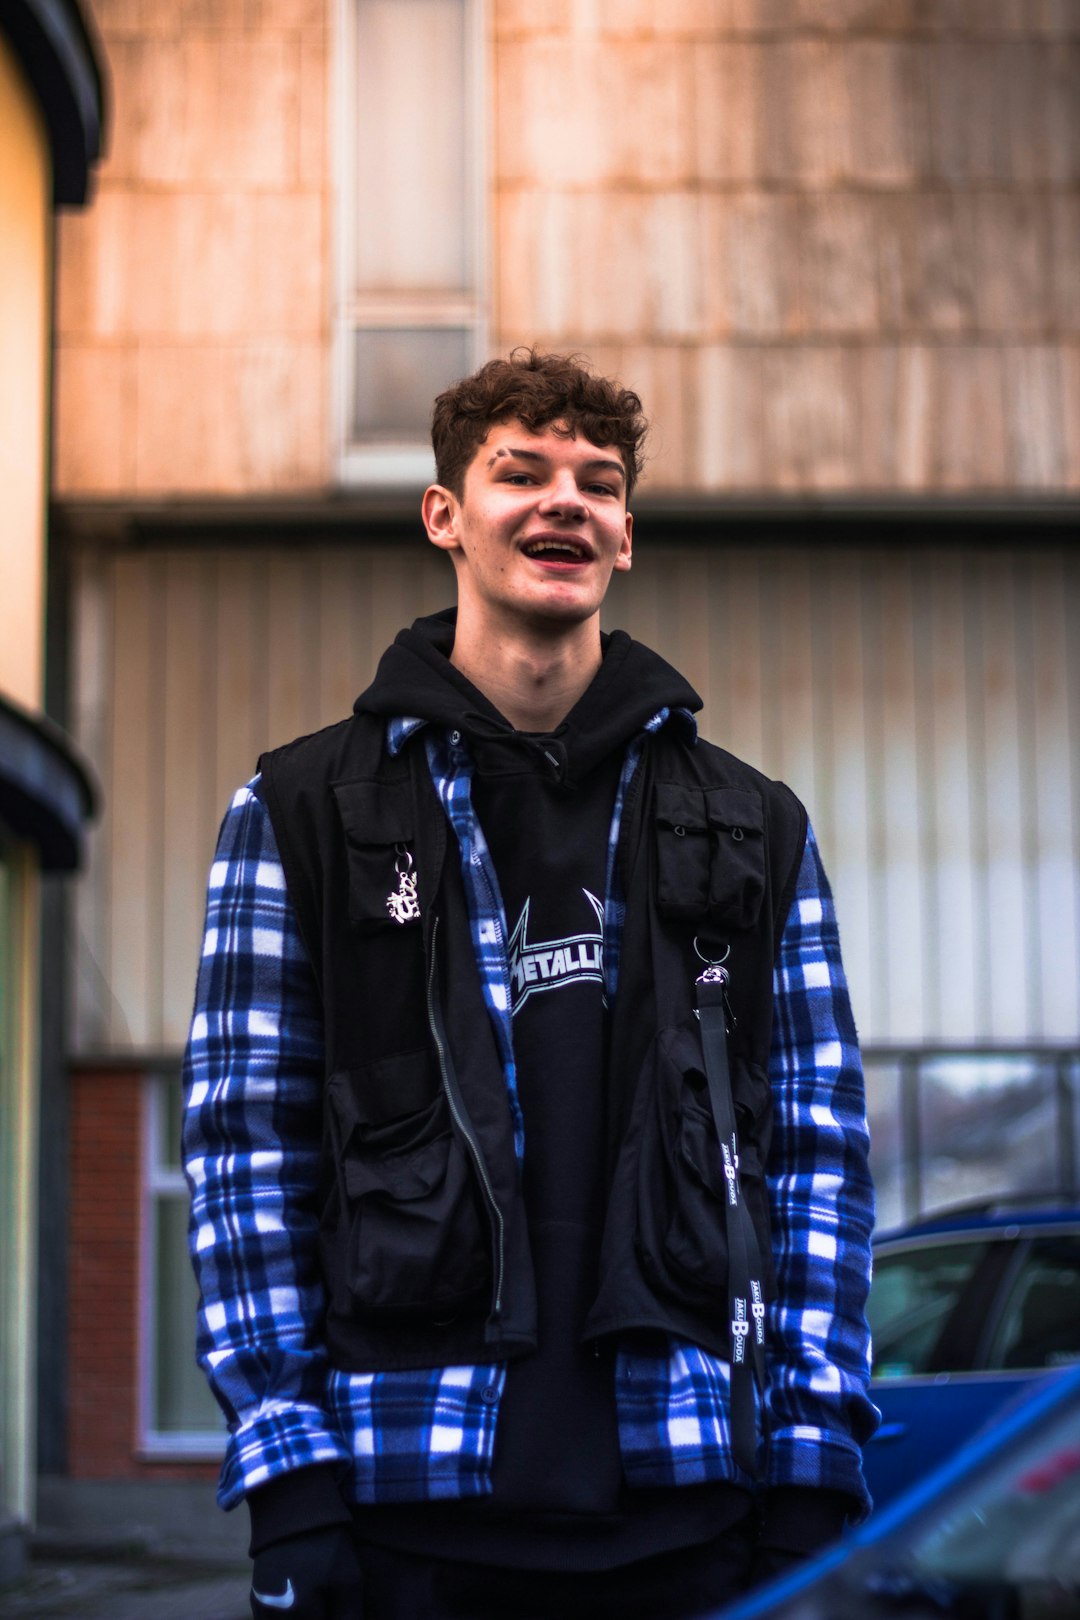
(967,1308)
(926,1420)
(993,1531)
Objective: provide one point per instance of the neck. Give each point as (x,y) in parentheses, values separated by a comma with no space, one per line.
(534,679)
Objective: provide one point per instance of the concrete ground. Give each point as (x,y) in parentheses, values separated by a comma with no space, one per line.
(105,1584)
(136,1550)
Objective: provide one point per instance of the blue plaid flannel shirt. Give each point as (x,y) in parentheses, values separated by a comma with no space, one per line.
(253,1074)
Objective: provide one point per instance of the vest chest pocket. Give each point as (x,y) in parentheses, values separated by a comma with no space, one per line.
(736,856)
(682,851)
(410,1240)
(377,819)
(710,854)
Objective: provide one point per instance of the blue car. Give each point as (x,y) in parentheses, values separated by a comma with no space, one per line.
(967,1308)
(994,1534)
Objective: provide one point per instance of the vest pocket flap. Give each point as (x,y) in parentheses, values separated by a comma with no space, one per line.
(679,807)
(378,823)
(401,1176)
(375,812)
(682,851)
(735,810)
(381,1092)
(737,850)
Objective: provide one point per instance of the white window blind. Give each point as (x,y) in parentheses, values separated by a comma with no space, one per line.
(411,283)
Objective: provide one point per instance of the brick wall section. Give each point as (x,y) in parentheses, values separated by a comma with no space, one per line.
(104,1276)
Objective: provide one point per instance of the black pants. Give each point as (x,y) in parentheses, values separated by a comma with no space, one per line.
(671,1586)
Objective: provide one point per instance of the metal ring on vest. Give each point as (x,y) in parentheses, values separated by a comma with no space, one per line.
(711,961)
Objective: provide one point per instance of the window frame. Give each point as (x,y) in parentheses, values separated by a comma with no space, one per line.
(157,1181)
(405,464)
(19,1132)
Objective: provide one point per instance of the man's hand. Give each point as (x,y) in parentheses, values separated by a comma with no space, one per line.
(313,1576)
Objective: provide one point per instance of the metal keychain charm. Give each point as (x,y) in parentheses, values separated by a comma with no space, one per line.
(403,905)
(714,972)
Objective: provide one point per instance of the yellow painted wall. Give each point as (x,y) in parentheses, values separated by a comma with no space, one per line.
(25,270)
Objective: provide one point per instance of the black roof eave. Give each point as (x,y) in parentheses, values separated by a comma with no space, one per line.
(65,68)
(47,794)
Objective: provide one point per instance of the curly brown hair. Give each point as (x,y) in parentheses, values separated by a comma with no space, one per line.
(535,389)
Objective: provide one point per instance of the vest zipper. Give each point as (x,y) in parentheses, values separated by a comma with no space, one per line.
(461,1120)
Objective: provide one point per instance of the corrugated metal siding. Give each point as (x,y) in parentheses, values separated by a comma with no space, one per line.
(924,703)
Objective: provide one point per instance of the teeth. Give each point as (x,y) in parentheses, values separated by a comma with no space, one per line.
(538,548)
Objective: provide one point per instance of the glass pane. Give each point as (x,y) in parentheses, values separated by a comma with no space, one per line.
(412,192)
(1041,1325)
(911,1300)
(886,1144)
(182,1398)
(170,1105)
(989,1127)
(398,372)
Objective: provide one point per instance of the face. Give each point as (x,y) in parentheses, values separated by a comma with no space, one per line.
(540,527)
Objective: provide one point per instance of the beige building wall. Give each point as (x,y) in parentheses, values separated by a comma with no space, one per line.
(25,278)
(834,243)
(923,701)
(193,312)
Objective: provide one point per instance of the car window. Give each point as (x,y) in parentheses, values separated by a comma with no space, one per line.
(913,1295)
(1040,1323)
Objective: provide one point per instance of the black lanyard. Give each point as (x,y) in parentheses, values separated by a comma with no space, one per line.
(746,1295)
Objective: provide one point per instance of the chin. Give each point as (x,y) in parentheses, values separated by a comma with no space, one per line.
(560,613)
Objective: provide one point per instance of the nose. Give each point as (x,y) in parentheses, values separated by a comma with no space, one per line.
(562,497)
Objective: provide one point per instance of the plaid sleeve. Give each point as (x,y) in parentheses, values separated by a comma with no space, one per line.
(822,1207)
(253,1075)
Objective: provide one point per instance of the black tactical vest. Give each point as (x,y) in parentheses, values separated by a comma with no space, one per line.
(423,1235)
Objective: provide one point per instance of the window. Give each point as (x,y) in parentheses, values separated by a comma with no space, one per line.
(19,1126)
(1040,1326)
(9,1389)
(410,301)
(953,1127)
(913,1298)
(179,1415)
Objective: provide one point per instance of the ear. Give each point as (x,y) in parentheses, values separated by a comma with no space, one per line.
(440,508)
(622,561)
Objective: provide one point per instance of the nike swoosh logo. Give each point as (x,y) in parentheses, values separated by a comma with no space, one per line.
(276,1600)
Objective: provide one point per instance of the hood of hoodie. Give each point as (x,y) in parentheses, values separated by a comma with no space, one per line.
(416,678)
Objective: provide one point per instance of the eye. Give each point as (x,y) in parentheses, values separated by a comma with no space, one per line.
(601,489)
(517,478)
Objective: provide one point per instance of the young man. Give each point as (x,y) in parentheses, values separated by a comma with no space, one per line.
(524,1121)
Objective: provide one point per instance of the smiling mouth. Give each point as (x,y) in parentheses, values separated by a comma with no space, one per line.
(550,550)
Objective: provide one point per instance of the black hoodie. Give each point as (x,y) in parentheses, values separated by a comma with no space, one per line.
(415,677)
(545,805)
